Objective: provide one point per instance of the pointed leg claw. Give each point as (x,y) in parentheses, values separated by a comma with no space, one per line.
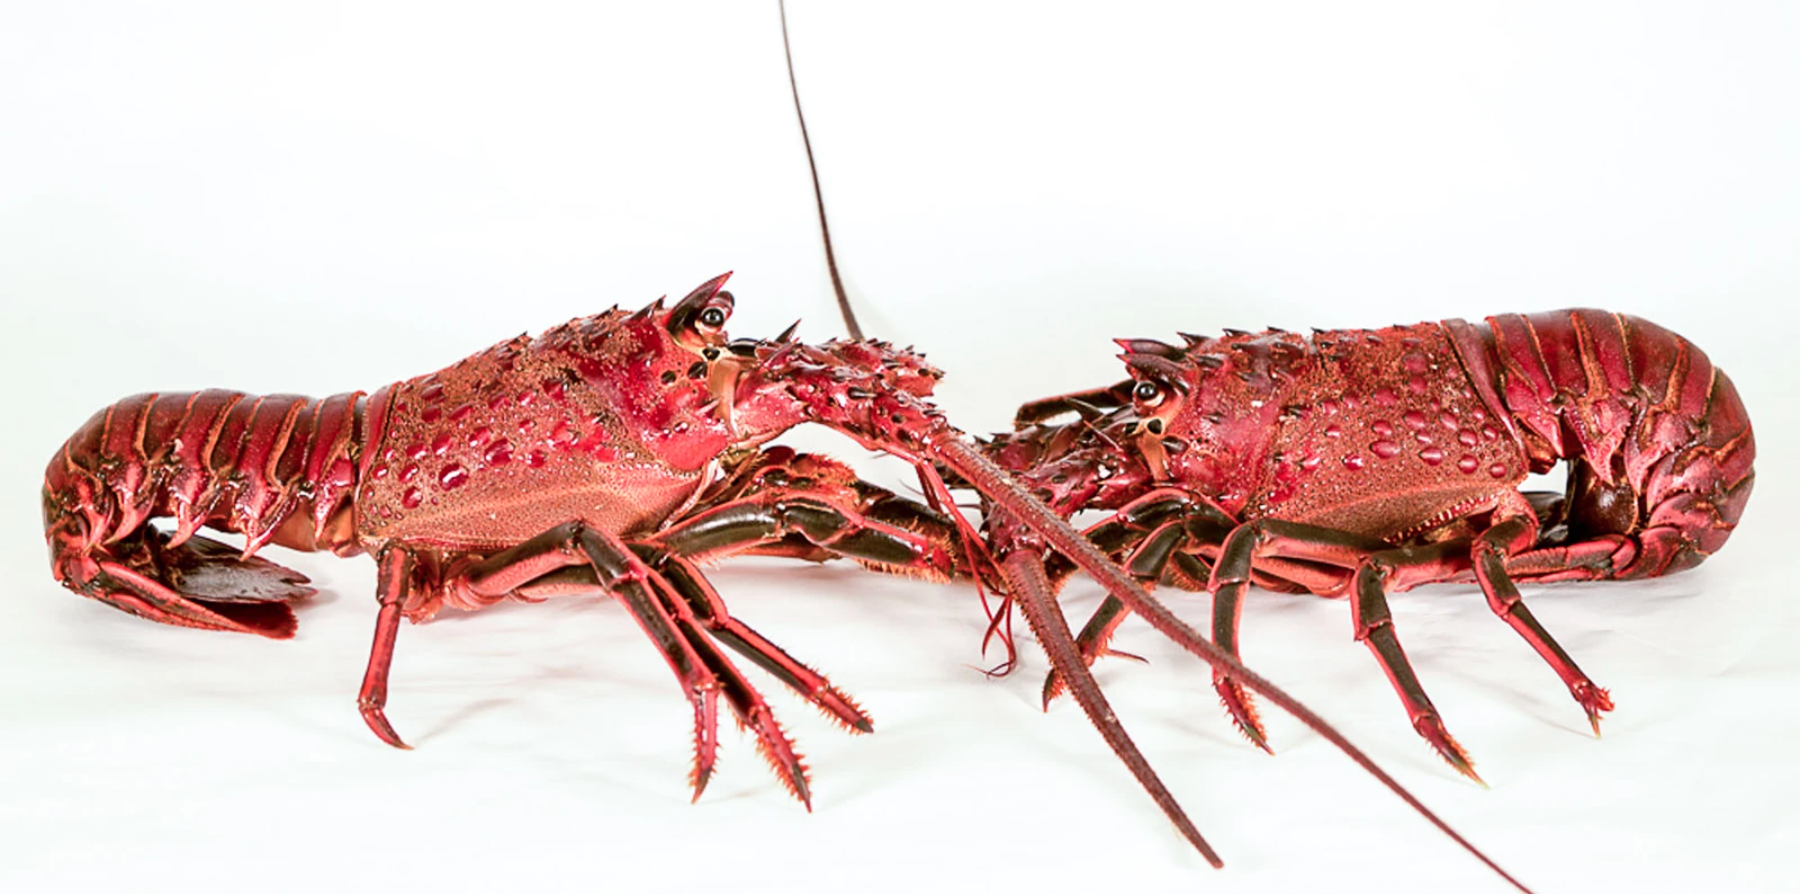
(1432,729)
(1242,711)
(1594,700)
(379,724)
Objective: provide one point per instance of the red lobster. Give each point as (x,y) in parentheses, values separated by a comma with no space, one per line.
(607,456)
(1359,462)
(586,461)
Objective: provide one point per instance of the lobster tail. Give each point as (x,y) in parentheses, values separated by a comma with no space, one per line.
(277,468)
(1662,445)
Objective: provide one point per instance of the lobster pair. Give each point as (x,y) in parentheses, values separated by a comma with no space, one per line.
(608,456)
(613,454)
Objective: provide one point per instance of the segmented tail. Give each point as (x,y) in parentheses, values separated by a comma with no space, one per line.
(1660,444)
(277,468)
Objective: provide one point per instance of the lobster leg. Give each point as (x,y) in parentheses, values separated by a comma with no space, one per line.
(1028,585)
(702,603)
(1149,530)
(1227,615)
(1374,626)
(809,507)
(1153,553)
(1490,554)
(1377,568)
(395,575)
(1162,532)
(750,708)
(832,525)
(702,670)
(658,583)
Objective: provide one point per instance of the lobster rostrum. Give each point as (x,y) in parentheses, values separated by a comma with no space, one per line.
(1361,462)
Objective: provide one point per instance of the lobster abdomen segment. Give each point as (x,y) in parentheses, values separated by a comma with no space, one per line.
(277,468)
(220,459)
(1660,443)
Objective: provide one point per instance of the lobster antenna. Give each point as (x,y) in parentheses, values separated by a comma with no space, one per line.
(822,215)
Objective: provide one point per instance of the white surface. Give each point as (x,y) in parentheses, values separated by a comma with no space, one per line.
(328,198)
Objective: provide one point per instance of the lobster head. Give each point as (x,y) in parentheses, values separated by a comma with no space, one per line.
(1204,415)
(760,388)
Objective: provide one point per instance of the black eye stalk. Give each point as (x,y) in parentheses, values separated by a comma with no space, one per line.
(697,320)
(1146,392)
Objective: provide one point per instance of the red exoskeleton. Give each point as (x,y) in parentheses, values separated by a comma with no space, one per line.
(608,456)
(1357,462)
(1361,462)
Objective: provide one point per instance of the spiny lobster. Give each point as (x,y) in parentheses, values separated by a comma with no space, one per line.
(608,456)
(1358,462)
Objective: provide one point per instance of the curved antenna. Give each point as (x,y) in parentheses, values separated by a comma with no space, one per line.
(822,215)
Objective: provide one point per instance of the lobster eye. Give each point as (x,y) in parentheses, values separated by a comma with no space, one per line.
(1146,393)
(713,315)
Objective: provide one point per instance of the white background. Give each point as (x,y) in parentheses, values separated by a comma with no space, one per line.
(334,196)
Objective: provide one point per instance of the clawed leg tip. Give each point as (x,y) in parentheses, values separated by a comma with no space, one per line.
(1242,713)
(1595,702)
(1253,732)
(1461,764)
(1478,781)
(380,725)
(1453,754)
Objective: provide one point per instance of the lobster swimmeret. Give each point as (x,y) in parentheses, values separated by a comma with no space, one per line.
(1358,462)
(606,457)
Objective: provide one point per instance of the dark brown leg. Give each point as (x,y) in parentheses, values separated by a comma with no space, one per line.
(676,606)
(1154,532)
(1490,554)
(1376,567)
(1374,626)
(965,460)
(838,528)
(702,671)
(749,707)
(1227,616)
(705,605)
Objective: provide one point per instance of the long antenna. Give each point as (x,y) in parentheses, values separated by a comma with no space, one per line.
(822,216)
